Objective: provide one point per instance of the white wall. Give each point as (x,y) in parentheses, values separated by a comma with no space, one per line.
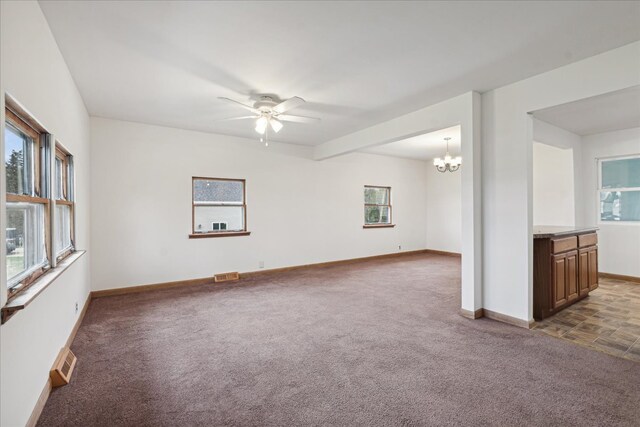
(549,134)
(34,72)
(619,244)
(507,151)
(553,188)
(444,210)
(299,210)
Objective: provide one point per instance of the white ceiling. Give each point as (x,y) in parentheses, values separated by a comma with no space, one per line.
(422,147)
(356,63)
(604,113)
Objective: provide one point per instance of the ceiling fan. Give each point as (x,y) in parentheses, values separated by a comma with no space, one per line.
(269,113)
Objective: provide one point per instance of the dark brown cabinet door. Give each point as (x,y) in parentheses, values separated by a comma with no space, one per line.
(583,271)
(559,280)
(593,268)
(572,275)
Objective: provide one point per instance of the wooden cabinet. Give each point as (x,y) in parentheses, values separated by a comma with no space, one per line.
(592,267)
(565,271)
(564,278)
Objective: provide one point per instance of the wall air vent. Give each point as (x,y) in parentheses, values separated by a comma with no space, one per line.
(226,277)
(63,367)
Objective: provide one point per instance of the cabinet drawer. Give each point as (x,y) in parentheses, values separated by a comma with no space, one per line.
(585,240)
(563,245)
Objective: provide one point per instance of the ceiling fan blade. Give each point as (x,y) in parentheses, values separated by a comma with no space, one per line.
(287,105)
(298,119)
(276,124)
(236,118)
(247,107)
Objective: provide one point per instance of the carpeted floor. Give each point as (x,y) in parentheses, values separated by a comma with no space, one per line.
(377,343)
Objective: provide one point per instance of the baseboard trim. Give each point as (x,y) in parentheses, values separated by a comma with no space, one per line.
(257,273)
(42,401)
(74,331)
(508,319)
(472,314)
(446,253)
(620,277)
(151,287)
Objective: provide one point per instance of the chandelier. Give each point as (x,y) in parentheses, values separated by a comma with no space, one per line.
(448,163)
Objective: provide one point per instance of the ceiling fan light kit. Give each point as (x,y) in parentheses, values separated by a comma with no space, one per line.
(449,163)
(269,114)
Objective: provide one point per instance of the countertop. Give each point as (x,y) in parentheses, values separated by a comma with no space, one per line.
(546,231)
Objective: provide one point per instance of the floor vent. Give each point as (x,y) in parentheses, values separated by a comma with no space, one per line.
(63,367)
(226,277)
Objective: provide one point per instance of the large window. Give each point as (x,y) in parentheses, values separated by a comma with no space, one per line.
(218,207)
(27,207)
(619,189)
(377,206)
(39,208)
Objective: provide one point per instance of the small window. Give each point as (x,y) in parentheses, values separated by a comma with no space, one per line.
(619,190)
(219,226)
(377,206)
(219,207)
(26,209)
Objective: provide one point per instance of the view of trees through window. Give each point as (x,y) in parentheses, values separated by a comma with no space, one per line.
(377,205)
(16,144)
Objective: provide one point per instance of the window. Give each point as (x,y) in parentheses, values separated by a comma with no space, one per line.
(218,207)
(377,206)
(26,209)
(619,189)
(63,195)
(218,226)
(39,209)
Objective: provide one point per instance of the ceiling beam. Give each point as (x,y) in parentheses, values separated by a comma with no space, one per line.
(434,117)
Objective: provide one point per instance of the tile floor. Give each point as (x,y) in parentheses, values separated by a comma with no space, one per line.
(607,320)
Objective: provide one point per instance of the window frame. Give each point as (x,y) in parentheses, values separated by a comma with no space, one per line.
(30,276)
(220,223)
(599,189)
(389,224)
(68,195)
(219,233)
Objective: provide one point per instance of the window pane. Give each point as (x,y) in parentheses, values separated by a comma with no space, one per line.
(218,191)
(63,228)
(17,157)
(620,205)
(622,173)
(25,240)
(376,215)
(57,184)
(218,218)
(376,196)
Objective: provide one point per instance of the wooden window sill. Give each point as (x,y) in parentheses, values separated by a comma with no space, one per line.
(21,300)
(378,226)
(219,234)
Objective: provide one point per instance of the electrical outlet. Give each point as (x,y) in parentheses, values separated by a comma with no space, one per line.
(76,308)
(261,264)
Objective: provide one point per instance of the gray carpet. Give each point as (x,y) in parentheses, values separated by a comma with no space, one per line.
(372,344)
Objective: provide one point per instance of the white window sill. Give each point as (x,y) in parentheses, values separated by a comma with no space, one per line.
(24,298)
